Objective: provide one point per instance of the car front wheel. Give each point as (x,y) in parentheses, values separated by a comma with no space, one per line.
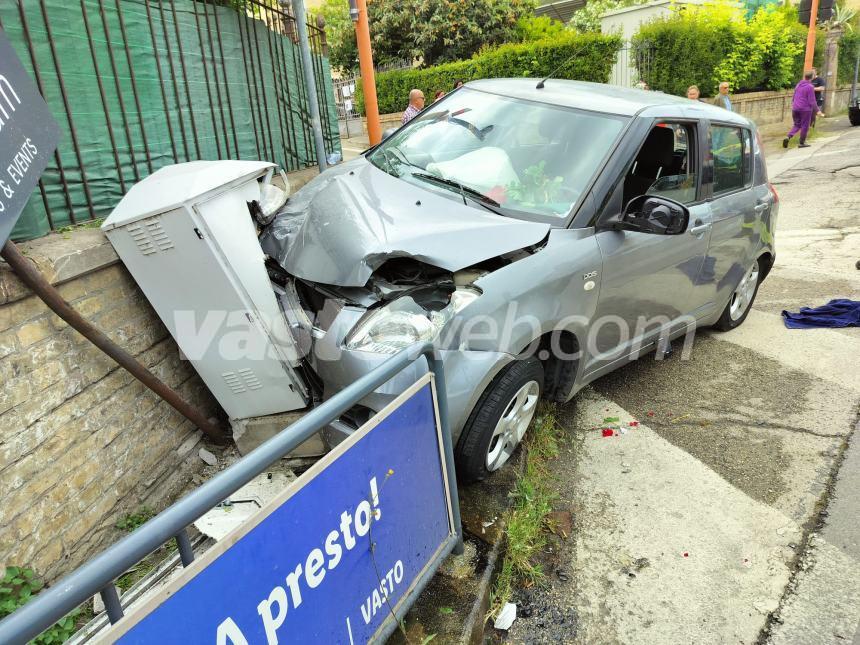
(500,420)
(742,299)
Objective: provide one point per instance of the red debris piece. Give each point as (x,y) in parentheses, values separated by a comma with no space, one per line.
(650,413)
(608,432)
(633,424)
(686,554)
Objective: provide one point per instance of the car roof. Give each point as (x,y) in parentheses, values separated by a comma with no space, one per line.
(599,97)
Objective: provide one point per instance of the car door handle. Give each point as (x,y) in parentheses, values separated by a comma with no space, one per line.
(699,228)
(760,208)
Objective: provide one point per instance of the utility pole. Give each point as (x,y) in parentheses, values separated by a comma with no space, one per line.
(810,36)
(358,13)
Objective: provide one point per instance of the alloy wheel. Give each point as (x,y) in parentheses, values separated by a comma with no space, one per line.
(512,425)
(743,295)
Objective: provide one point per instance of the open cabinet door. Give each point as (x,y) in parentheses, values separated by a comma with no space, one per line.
(192,248)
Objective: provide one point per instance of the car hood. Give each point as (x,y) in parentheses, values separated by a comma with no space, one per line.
(350,219)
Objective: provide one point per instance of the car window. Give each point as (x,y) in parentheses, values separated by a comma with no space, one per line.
(666,165)
(515,156)
(731,150)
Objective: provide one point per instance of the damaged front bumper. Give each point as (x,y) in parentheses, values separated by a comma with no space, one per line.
(467,372)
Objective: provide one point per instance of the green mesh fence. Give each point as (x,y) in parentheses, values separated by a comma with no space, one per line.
(136,85)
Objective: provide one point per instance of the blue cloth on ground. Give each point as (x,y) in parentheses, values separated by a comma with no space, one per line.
(836,313)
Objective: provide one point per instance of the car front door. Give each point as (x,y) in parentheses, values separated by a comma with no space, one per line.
(737,206)
(648,279)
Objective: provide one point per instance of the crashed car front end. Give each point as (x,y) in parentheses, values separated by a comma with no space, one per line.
(354,294)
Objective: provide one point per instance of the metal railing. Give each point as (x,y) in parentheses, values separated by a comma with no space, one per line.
(97,575)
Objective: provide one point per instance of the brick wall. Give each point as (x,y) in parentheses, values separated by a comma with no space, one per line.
(81,441)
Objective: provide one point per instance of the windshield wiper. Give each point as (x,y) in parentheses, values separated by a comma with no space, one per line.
(392,159)
(484,200)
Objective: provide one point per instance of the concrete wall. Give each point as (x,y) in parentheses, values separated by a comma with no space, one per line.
(81,442)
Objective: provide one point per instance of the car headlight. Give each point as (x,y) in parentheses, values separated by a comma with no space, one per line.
(404,322)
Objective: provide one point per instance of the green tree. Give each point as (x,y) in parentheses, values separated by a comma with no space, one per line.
(588,18)
(533,28)
(707,44)
(443,30)
(340,34)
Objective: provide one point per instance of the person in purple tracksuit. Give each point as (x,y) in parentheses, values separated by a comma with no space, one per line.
(803,106)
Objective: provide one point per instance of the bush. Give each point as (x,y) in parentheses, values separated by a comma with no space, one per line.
(712,43)
(849,47)
(593,57)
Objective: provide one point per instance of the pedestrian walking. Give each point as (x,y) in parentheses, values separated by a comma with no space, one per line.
(803,106)
(416,104)
(693,93)
(458,83)
(722,99)
(438,95)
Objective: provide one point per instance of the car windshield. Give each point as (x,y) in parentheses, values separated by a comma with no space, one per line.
(509,155)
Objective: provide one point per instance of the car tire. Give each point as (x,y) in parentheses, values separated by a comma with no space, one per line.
(742,299)
(500,420)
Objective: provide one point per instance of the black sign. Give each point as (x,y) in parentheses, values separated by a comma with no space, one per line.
(825,10)
(28,137)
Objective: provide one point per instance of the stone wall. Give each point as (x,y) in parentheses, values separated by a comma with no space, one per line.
(82,442)
(772,108)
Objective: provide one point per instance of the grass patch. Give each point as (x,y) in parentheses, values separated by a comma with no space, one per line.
(526,520)
(132,521)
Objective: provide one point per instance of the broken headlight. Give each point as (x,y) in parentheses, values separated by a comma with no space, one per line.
(404,322)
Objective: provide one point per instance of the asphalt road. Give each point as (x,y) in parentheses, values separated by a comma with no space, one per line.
(730,515)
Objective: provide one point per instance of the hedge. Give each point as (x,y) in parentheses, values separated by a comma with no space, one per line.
(593,58)
(712,43)
(849,47)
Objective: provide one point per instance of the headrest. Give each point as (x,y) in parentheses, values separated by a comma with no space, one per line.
(657,152)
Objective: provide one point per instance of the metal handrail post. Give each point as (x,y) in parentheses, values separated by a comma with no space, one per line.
(436,366)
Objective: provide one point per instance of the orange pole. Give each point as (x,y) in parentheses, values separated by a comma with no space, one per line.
(810,36)
(368,79)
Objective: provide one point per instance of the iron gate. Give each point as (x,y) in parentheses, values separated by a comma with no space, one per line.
(139,84)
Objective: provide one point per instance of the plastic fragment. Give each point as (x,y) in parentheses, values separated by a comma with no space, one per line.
(608,432)
(506,617)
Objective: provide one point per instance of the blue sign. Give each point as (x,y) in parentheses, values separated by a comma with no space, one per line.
(330,559)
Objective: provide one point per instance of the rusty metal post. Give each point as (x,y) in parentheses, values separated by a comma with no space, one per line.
(39,285)
(358,13)
(810,36)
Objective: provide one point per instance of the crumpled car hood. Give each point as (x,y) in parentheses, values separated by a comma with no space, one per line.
(349,220)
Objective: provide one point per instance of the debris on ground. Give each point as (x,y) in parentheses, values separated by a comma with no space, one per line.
(613,427)
(506,617)
(208,457)
(561,523)
(243,504)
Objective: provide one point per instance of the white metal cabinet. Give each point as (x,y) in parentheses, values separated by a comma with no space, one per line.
(187,238)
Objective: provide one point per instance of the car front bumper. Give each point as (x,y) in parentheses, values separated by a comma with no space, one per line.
(467,373)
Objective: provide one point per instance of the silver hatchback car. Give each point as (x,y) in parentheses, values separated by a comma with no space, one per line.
(540,236)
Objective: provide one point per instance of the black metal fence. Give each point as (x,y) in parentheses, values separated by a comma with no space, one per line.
(139,84)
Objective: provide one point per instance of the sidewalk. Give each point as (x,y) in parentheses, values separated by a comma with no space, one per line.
(354,146)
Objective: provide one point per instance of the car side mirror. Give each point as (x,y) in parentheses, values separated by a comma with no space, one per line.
(652,214)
